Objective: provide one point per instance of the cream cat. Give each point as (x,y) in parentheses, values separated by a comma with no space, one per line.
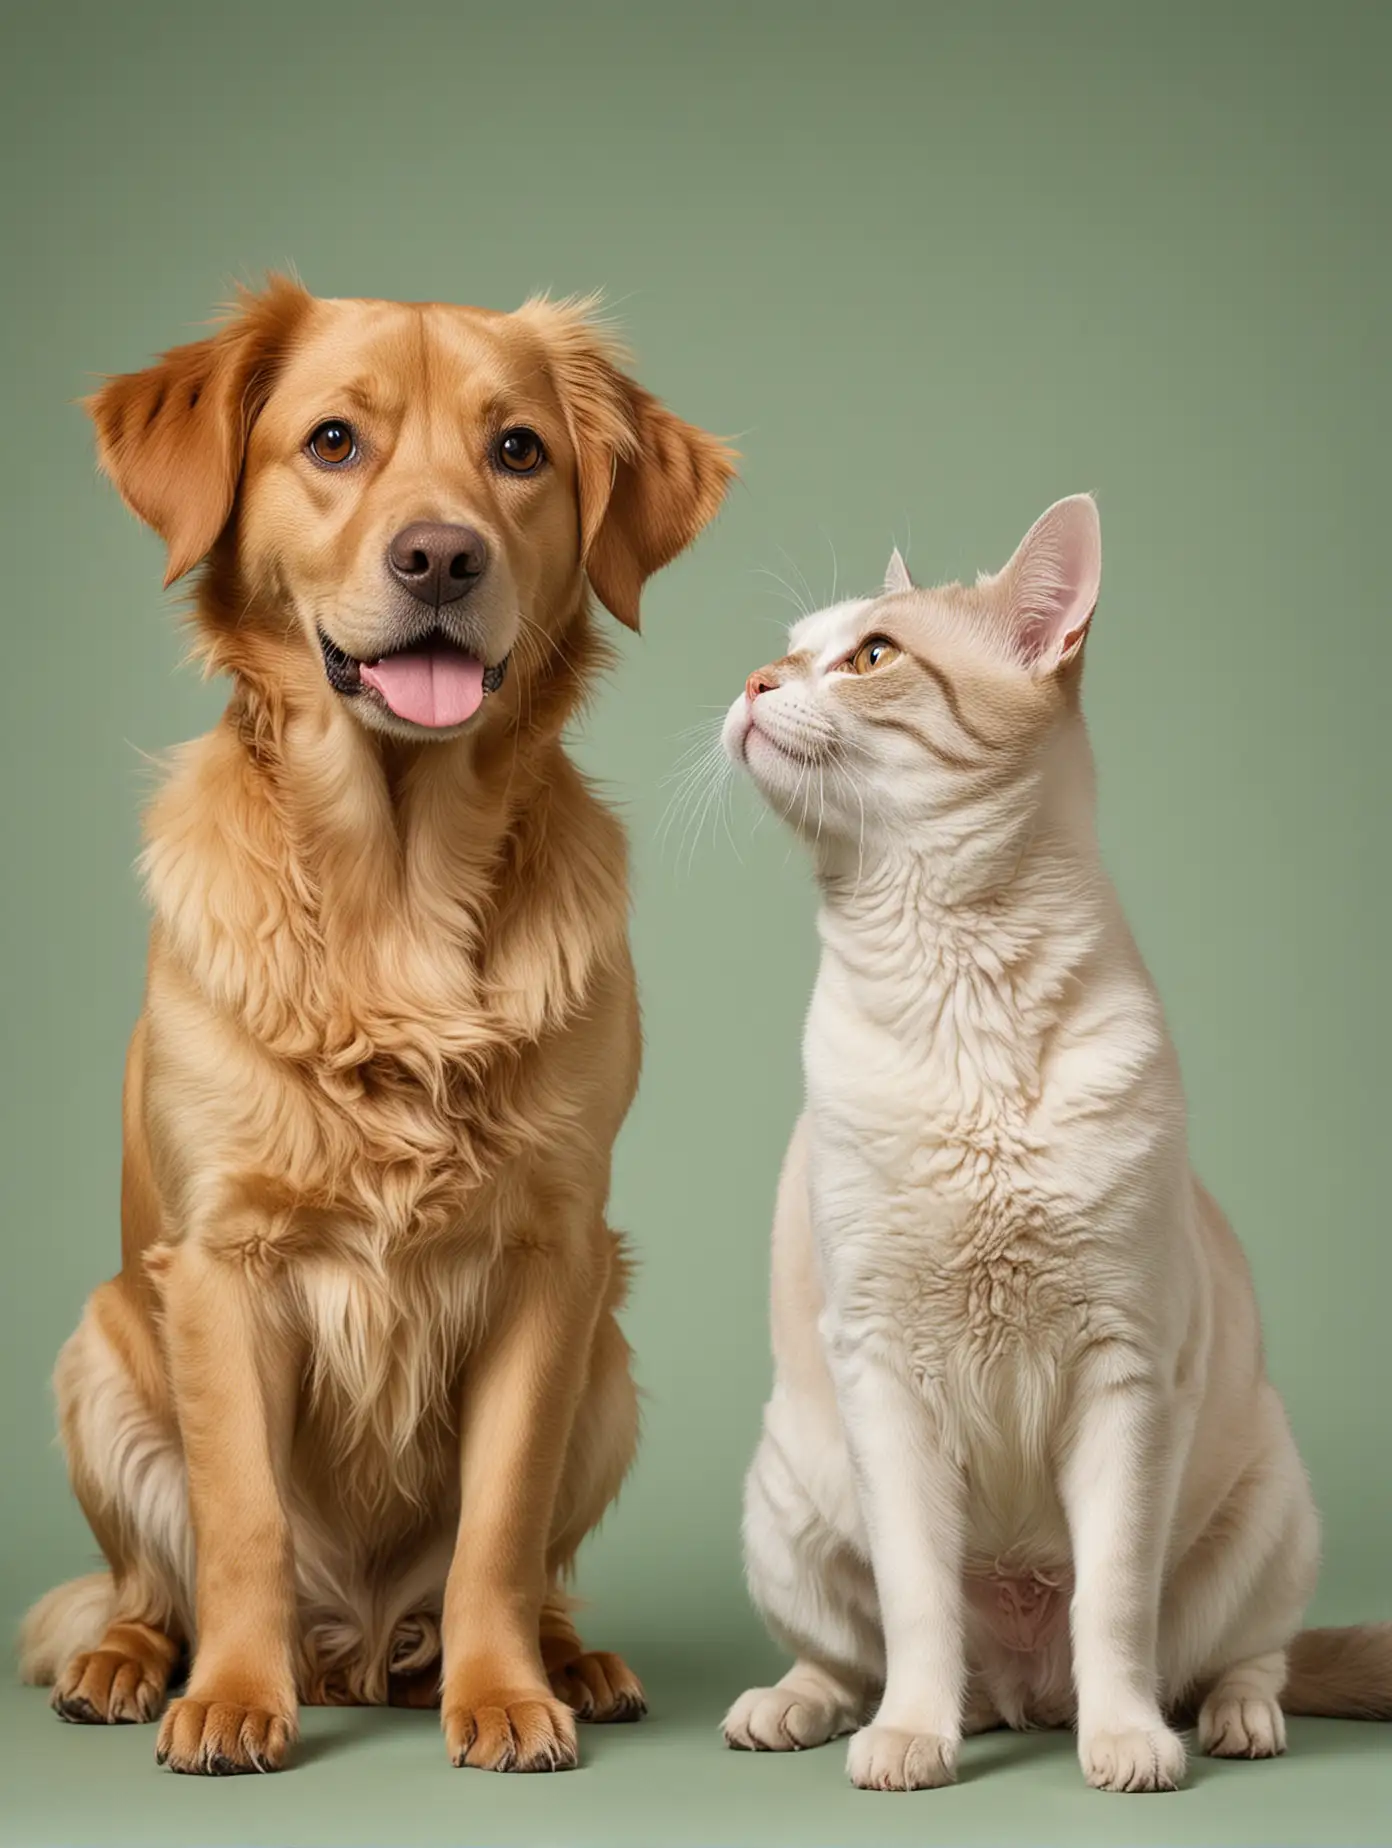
(1021,1463)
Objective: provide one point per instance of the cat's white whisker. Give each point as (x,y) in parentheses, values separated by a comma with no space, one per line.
(790,595)
(702,729)
(695,753)
(843,774)
(704,765)
(713,795)
(860,834)
(700,783)
(726,808)
(835,568)
(803,790)
(811,601)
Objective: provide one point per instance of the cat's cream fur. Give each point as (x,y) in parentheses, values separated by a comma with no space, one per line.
(1022,1462)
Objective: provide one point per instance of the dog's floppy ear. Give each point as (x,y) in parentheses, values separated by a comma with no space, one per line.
(659,494)
(173,437)
(648,481)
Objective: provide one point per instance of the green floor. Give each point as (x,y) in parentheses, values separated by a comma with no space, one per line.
(380,1778)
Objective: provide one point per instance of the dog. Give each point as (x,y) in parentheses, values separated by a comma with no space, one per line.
(359,1391)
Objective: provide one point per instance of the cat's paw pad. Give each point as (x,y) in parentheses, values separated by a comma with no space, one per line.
(1236,1726)
(1134,1758)
(783,1720)
(887,1758)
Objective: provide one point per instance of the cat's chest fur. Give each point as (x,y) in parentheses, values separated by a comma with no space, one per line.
(979,1147)
(934,1198)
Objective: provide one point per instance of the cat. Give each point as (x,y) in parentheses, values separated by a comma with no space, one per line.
(1021,1464)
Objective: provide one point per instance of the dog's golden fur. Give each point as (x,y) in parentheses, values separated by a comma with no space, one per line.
(359,1390)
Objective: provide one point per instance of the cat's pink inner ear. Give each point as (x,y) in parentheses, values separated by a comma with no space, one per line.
(1052,582)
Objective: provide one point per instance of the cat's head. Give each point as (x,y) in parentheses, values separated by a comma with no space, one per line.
(889,713)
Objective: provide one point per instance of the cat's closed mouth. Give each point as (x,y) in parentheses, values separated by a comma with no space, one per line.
(775,744)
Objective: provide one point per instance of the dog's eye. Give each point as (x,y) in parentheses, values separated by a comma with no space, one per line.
(333,443)
(878,651)
(520,451)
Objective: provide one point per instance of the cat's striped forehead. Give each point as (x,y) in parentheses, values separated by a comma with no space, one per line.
(918,620)
(826,635)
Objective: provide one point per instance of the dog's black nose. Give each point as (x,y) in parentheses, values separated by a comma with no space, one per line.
(437,563)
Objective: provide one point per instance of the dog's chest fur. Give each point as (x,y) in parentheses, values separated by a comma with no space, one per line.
(384,1341)
(385,1084)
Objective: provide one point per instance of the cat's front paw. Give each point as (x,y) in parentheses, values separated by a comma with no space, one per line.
(784,1720)
(1134,1758)
(887,1758)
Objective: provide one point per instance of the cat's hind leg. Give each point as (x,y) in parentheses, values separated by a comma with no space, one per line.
(1241,1715)
(817,1597)
(1236,1600)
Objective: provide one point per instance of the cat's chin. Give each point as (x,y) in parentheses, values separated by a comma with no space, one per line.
(783,776)
(776,772)
(758,740)
(751,748)
(766,756)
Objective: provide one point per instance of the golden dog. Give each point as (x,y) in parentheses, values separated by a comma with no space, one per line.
(358,1392)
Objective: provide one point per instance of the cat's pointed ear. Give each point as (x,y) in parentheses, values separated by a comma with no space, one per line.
(896,577)
(1049,589)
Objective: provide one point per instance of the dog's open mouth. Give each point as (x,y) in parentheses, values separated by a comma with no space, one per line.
(433,683)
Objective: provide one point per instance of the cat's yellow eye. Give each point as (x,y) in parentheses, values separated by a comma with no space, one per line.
(878,651)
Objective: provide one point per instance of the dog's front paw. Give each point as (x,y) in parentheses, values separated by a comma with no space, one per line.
(213,1738)
(888,1758)
(1133,1758)
(510,1729)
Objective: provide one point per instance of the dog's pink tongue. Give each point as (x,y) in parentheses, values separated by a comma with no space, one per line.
(432,686)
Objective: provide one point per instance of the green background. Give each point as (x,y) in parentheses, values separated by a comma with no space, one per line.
(932,267)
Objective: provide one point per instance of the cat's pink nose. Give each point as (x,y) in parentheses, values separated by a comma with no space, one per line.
(762,680)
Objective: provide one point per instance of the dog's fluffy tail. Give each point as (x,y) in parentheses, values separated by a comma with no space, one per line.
(1341,1674)
(66,1621)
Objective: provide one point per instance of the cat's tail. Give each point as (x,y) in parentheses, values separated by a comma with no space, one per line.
(65,1622)
(1341,1674)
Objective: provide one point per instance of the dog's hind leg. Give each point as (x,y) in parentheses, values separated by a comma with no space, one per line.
(110,1645)
(595,1684)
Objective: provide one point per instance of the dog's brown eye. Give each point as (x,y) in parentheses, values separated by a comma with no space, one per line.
(333,442)
(520,451)
(879,651)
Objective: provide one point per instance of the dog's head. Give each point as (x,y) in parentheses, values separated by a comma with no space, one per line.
(408,493)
